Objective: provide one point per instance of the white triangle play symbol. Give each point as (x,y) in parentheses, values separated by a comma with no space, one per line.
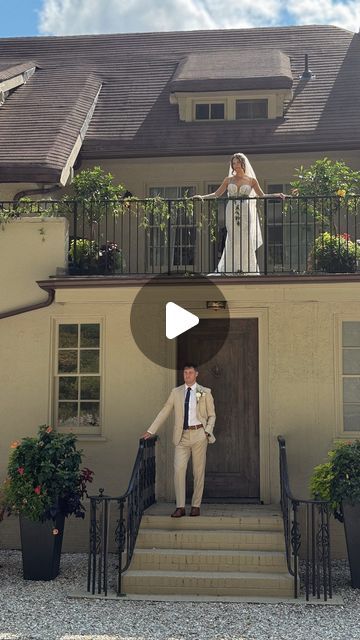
(178,320)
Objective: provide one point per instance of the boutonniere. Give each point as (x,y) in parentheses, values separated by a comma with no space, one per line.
(200,393)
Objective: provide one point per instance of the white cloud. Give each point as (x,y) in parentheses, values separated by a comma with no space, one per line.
(66,17)
(341,14)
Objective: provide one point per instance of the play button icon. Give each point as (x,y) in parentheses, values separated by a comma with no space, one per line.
(178,320)
(170,315)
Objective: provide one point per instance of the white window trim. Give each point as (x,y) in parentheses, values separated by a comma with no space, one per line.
(210,102)
(340,433)
(56,321)
(187,101)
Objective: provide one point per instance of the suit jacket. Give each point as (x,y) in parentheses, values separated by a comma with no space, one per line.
(205,412)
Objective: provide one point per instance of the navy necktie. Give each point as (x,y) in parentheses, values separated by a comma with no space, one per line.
(186,409)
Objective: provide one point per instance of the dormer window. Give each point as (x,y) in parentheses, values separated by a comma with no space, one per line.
(251,109)
(235,85)
(13,76)
(209,111)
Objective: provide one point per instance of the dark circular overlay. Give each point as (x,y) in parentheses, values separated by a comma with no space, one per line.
(148,320)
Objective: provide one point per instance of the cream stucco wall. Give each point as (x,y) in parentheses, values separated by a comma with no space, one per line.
(30,249)
(297,371)
(139,174)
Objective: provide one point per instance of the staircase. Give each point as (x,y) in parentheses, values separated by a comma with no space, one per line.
(230,550)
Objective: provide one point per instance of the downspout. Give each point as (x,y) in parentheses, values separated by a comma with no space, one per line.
(31,307)
(34,192)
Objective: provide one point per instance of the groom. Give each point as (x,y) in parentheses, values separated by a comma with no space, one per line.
(193,429)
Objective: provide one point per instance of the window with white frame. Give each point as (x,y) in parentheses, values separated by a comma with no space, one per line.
(77,379)
(179,248)
(251,109)
(351,375)
(209,111)
(289,236)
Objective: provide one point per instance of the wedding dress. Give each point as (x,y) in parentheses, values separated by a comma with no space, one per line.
(243,232)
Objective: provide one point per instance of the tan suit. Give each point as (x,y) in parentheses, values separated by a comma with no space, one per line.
(189,442)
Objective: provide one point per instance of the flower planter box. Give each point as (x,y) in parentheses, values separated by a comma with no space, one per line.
(41,547)
(352,533)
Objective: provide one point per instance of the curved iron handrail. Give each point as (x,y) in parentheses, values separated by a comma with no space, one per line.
(139,495)
(305,521)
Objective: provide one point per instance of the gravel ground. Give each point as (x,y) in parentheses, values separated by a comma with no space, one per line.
(42,611)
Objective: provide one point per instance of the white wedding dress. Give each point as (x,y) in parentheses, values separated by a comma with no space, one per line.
(243,232)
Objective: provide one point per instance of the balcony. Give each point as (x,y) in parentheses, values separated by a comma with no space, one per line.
(227,237)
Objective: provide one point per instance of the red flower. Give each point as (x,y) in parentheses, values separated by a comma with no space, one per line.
(49,430)
(346,236)
(38,489)
(21,470)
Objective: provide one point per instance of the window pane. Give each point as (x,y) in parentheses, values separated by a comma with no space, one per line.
(89,361)
(259,108)
(68,388)
(246,109)
(67,414)
(352,417)
(67,361)
(351,361)
(90,335)
(351,388)
(202,112)
(68,335)
(89,414)
(242,109)
(217,112)
(90,388)
(351,334)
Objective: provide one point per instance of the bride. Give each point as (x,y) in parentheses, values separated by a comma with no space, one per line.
(244,235)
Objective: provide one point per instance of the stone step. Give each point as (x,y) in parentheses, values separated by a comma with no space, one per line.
(210,539)
(213,560)
(205,583)
(253,522)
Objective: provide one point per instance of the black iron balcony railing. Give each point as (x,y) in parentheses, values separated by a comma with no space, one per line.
(237,236)
(307,532)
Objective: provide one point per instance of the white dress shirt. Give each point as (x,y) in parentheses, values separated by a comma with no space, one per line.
(192,404)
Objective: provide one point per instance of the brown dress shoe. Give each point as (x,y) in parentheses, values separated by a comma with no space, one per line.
(195,511)
(178,513)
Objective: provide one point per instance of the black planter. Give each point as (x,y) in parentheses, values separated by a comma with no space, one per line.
(352,533)
(41,549)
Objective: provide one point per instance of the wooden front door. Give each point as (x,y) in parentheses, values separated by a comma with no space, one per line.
(232,467)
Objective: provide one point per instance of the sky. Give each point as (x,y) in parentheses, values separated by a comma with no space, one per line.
(69,17)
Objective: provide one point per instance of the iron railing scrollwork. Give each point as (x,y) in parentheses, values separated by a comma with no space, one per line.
(307,531)
(115,522)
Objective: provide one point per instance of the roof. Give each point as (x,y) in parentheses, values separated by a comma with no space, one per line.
(133,115)
(233,70)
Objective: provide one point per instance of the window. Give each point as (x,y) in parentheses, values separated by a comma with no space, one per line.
(78,377)
(181,250)
(351,375)
(211,111)
(288,235)
(251,109)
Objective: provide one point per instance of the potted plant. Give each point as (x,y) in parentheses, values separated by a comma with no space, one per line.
(86,258)
(44,485)
(333,253)
(338,481)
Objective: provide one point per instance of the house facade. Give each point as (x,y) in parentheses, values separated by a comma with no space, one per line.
(164,113)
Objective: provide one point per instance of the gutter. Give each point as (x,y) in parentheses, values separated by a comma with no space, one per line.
(32,307)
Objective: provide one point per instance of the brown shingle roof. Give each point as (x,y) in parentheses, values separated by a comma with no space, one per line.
(134,117)
(233,70)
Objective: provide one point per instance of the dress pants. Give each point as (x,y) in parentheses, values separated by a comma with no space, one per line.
(192,443)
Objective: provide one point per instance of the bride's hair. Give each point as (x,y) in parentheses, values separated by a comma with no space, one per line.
(241,159)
